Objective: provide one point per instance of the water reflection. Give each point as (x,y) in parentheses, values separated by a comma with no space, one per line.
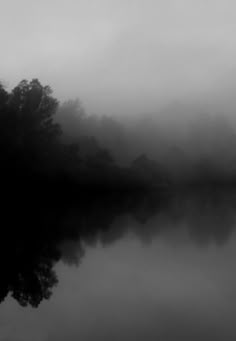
(37,235)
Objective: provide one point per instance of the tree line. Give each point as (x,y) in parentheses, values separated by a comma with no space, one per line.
(36,153)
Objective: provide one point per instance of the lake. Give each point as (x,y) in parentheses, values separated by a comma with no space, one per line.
(143,267)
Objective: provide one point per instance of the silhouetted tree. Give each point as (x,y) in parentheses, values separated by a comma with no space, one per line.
(28,132)
(34,148)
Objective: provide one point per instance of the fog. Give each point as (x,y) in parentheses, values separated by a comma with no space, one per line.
(118,170)
(185,141)
(122,56)
(170,62)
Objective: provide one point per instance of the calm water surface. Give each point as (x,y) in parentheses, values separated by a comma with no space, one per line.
(150,271)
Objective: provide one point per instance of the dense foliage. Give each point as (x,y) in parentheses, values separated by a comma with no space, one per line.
(37,155)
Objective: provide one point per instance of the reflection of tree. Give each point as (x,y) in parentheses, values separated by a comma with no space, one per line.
(207,217)
(26,272)
(32,239)
(32,243)
(34,283)
(28,279)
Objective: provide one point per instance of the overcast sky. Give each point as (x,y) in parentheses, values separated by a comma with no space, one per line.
(129,55)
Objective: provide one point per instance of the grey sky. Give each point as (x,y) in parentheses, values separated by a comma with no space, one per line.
(120,54)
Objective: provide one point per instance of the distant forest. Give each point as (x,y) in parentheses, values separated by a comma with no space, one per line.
(58,147)
(188,146)
(45,145)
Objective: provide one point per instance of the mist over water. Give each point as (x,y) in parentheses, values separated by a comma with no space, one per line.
(115,228)
(117,170)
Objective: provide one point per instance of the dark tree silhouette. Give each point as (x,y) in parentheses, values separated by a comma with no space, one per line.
(32,107)
(28,133)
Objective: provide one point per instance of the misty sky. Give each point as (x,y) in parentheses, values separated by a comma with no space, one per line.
(121,55)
